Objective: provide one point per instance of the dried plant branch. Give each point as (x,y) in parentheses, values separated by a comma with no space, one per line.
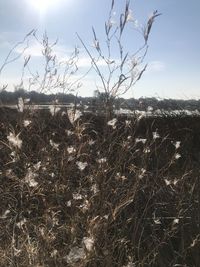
(8,60)
(118,76)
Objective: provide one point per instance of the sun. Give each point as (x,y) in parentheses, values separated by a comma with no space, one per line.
(43,5)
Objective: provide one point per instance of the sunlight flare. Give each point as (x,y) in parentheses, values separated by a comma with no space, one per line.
(43,5)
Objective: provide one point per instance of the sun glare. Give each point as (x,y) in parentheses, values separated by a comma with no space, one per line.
(42,5)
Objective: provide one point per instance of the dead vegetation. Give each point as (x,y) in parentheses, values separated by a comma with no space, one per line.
(77,190)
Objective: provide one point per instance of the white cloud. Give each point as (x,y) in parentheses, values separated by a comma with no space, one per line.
(34,50)
(156,66)
(85,62)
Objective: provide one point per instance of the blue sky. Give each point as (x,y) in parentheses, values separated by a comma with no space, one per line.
(173,57)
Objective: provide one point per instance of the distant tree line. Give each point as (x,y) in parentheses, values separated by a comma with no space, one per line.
(99,99)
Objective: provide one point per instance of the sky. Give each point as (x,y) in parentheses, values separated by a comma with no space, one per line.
(173,56)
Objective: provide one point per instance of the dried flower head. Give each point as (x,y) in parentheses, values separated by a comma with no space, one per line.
(14,140)
(54,109)
(26,123)
(112,123)
(81,165)
(73,115)
(89,243)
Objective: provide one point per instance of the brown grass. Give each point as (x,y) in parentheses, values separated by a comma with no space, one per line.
(134,204)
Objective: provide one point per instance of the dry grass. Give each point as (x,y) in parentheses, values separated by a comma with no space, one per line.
(92,193)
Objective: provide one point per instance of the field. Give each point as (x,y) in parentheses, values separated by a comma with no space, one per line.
(86,190)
